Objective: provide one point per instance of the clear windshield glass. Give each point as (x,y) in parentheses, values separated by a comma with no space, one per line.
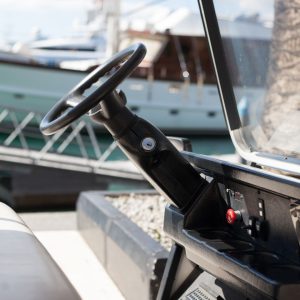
(261,40)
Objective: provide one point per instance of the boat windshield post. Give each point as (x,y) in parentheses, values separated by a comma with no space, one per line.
(200,73)
(150,79)
(183,66)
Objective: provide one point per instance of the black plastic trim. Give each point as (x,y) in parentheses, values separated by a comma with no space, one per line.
(211,28)
(288,187)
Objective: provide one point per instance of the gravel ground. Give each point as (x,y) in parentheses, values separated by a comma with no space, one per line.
(147,211)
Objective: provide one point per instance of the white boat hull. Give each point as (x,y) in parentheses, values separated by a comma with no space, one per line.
(171,106)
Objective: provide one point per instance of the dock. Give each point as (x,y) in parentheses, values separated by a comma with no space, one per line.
(36,169)
(58,233)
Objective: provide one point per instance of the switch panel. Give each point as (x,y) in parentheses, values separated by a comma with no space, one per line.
(261,208)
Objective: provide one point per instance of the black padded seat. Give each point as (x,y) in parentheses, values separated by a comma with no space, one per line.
(27,271)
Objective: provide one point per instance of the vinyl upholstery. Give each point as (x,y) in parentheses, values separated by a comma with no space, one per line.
(26,269)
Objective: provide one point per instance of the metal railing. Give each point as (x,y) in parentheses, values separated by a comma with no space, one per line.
(80,147)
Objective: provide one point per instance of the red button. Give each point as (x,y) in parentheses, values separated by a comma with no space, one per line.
(231,216)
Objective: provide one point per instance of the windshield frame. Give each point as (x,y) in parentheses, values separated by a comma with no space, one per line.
(227,97)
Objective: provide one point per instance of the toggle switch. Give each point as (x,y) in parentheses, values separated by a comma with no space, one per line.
(232,216)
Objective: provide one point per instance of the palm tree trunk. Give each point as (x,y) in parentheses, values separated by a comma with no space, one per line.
(283,90)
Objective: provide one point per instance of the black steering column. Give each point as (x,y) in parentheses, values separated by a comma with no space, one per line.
(144,144)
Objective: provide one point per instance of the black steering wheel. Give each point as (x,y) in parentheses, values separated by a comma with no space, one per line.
(65,111)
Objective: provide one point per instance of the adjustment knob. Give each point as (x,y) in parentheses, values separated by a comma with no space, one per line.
(233,216)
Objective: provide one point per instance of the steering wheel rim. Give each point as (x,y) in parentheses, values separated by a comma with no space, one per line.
(59,117)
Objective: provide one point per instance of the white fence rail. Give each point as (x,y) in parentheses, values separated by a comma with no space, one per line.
(79,147)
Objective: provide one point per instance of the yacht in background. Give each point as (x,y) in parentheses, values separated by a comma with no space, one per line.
(174,87)
(97,38)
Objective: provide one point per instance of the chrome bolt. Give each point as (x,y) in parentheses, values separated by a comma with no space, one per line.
(148,144)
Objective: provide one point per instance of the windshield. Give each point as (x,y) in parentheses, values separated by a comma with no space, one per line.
(262,50)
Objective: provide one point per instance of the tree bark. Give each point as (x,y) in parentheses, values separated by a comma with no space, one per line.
(283,83)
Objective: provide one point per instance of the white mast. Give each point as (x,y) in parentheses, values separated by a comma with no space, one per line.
(111,10)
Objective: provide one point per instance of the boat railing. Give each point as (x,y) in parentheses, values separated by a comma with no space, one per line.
(79,147)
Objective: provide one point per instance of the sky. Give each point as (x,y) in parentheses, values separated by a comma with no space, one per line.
(55,18)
